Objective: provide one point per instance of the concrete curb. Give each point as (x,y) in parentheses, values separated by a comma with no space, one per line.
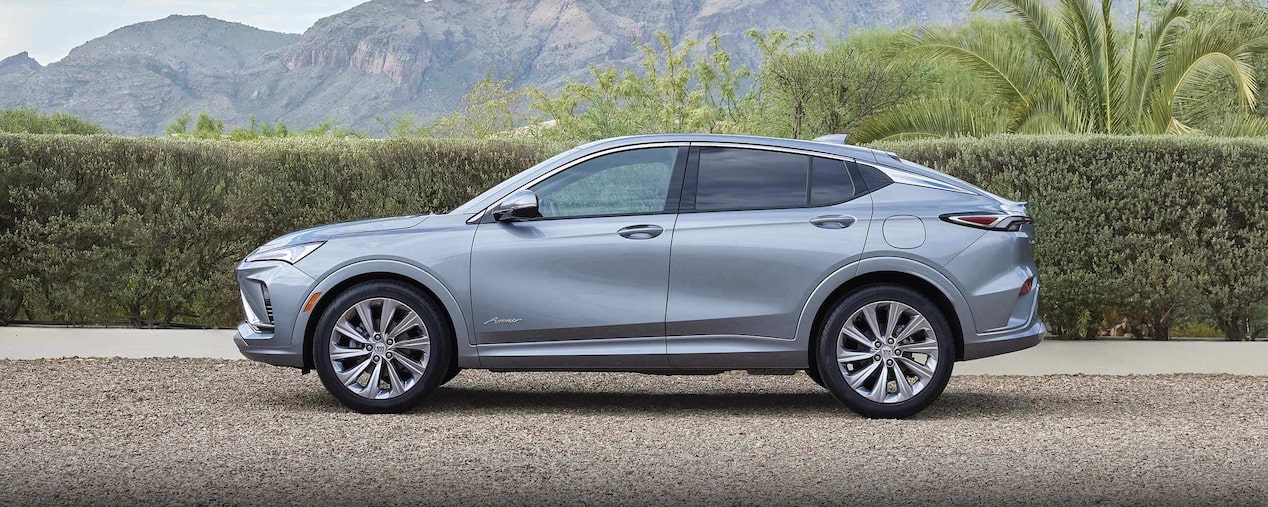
(1049,358)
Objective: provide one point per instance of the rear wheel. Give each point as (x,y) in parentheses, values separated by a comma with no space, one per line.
(886,352)
(382,347)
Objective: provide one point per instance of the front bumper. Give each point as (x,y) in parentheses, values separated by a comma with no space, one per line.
(980,346)
(273,294)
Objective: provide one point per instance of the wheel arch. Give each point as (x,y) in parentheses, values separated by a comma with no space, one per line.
(358,273)
(890,271)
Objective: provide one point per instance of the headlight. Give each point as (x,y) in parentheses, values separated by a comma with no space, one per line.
(290,254)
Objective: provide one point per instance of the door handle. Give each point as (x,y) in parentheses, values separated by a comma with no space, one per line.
(832,221)
(641,231)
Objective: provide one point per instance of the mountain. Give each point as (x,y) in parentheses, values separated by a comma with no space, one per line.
(388,57)
(19,63)
(135,79)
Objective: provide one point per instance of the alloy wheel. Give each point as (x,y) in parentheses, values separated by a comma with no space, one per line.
(379,348)
(887,352)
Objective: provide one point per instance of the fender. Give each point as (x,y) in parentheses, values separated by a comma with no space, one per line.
(467,354)
(805,325)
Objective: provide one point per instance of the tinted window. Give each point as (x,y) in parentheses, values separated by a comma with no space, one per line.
(622,183)
(830,182)
(735,178)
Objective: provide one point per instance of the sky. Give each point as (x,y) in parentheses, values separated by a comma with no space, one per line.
(49,29)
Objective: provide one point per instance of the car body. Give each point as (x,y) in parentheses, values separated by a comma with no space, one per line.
(666,254)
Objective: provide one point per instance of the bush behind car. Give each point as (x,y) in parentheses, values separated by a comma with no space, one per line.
(146,231)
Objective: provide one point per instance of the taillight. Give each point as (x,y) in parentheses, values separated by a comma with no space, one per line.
(988,221)
(1026,286)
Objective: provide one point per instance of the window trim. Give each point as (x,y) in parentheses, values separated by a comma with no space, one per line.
(691,180)
(675,179)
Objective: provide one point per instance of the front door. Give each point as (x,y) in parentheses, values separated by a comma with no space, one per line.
(585,285)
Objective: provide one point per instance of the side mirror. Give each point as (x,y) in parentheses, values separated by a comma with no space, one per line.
(519,206)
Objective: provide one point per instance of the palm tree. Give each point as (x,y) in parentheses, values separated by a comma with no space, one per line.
(1074,71)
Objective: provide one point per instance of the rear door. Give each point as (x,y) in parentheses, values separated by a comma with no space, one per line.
(758,230)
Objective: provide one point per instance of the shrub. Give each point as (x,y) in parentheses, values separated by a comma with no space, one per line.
(107,229)
(147,231)
(1156,226)
(30,121)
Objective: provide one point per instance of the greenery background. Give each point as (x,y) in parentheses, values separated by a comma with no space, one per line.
(1141,148)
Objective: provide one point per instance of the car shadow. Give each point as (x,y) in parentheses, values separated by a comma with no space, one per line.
(478,400)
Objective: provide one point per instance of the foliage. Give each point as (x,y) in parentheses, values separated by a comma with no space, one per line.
(147,231)
(678,91)
(490,109)
(1076,71)
(1164,229)
(807,92)
(30,121)
(1159,227)
(210,127)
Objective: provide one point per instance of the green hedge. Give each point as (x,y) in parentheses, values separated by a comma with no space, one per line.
(110,229)
(146,231)
(1157,228)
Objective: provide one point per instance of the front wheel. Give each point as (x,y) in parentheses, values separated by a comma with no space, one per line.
(886,352)
(382,347)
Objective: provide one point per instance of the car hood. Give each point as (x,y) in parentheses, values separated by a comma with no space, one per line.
(331,231)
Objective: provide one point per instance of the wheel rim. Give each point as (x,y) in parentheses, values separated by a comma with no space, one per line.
(379,348)
(887,352)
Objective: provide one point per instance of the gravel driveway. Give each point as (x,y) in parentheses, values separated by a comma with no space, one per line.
(215,432)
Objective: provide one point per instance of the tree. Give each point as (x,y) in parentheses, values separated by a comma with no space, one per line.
(1075,71)
(680,90)
(810,92)
(492,107)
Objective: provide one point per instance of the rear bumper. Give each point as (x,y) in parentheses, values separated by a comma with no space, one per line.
(980,346)
(261,347)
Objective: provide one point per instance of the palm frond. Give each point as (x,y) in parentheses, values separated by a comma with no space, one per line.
(1043,28)
(1160,39)
(931,117)
(1199,58)
(1008,68)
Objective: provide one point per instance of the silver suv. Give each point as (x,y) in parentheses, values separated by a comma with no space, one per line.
(663,254)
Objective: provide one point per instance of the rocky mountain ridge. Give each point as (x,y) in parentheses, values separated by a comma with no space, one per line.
(390,57)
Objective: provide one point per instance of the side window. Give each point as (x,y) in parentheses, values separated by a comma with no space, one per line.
(738,178)
(621,183)
(830,182)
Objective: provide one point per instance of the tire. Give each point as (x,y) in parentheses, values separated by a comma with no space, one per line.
(426,343)
(813,373)
(453,372)
(912,355)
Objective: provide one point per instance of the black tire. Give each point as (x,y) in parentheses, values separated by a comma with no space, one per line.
(453,372)
(813,373)
(441,345)
(834,378)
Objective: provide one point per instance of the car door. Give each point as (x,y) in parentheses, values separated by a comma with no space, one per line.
(586,284)
(759,229)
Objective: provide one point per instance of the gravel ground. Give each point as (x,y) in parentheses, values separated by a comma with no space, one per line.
(191,431)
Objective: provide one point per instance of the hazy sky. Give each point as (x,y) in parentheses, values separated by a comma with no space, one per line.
(48,29)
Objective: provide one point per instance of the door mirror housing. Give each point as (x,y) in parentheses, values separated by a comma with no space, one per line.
(521,205)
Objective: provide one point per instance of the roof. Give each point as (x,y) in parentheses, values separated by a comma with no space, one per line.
(847,150)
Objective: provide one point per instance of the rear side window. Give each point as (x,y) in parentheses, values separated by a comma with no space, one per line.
(734,178)
(830,182)
(740,179)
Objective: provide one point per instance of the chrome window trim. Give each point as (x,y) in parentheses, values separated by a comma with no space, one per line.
(797,151)
(566,165)
(909,178)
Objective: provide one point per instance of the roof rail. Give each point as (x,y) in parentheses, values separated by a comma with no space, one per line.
(832,139)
